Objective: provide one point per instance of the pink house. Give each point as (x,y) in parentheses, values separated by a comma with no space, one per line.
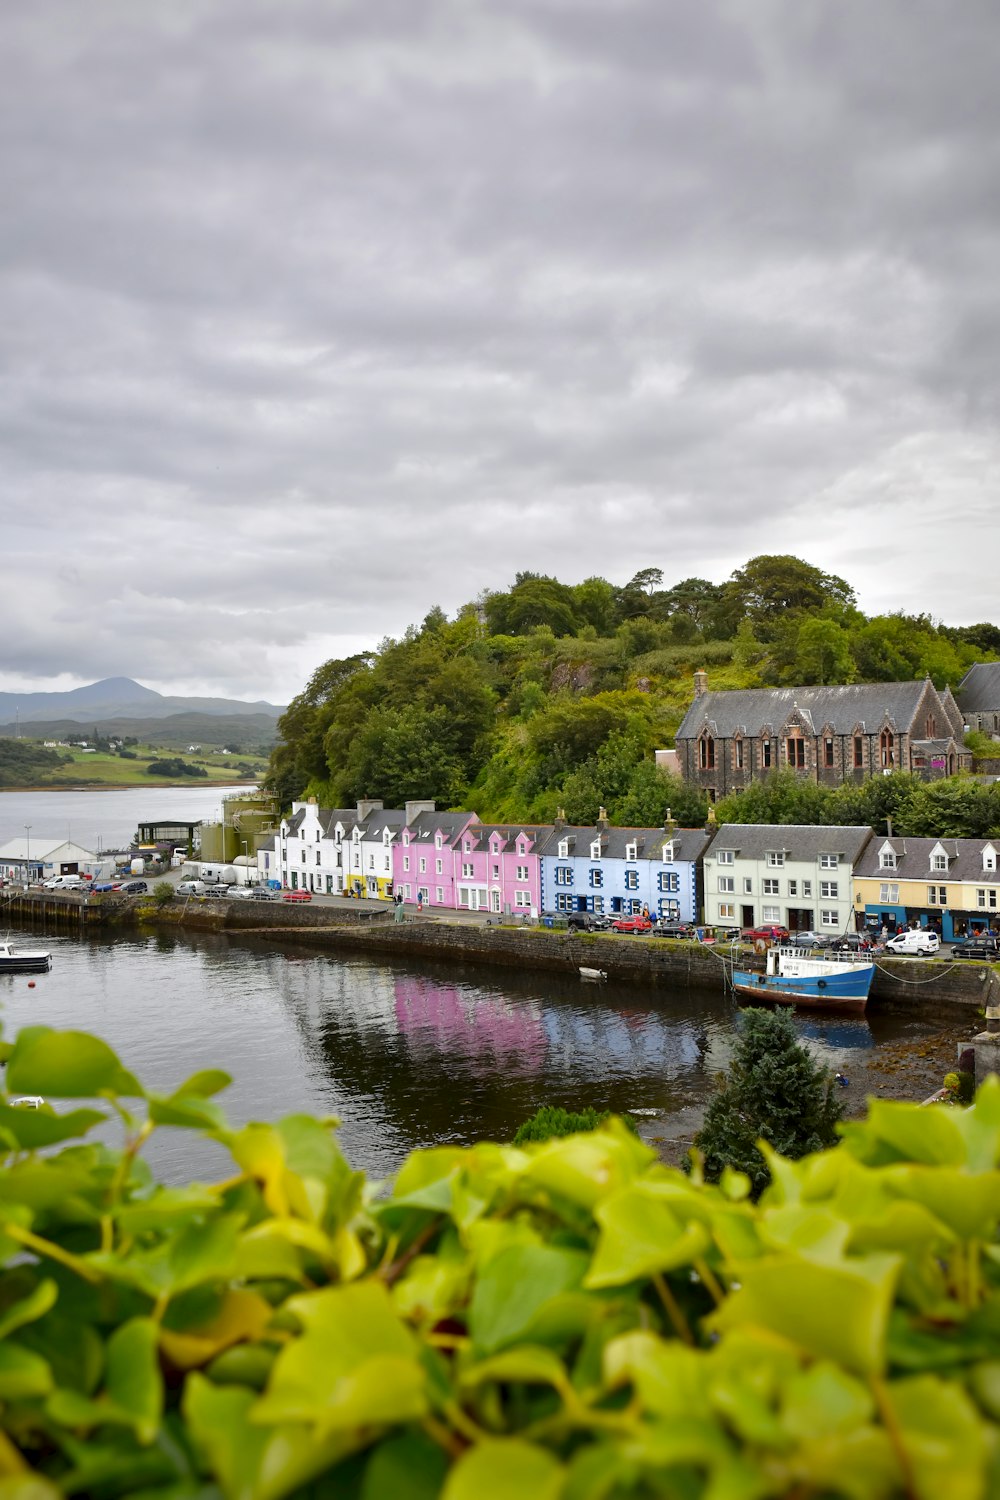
(497,869)
(423,863)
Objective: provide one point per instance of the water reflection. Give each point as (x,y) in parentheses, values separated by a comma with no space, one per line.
(407,1054)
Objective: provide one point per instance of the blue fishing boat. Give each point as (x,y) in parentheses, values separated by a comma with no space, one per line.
(832,981)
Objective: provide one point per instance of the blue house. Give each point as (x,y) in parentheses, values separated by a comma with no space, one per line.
(622,871)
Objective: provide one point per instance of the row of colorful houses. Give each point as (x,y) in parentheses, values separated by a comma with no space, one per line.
(803,877)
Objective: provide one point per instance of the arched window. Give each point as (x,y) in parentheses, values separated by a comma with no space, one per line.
(707,752)
(887,748)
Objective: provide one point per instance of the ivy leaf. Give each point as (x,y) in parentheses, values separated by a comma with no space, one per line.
(505,1469)
(943,1436)
(407,1465)
(203,1085)
(134,1383)
(515,1288)
(28,1309)
(32,1129)
(239,1314)
(167,1208)
(22,1373)
(185,1113)
(67,1065)
(640,1235)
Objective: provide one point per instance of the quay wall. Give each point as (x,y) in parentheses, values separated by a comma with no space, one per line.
(918,985)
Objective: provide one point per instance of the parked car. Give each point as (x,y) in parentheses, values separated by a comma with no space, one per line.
(635,925)
(675,930)
(809,939)
(296,895)
(240,892)
(852,942)
(917,942)
(587,921)
(64,883)
(768,932)
(218,891)
(134,888)
(264,893)
(191,888)
(978,945)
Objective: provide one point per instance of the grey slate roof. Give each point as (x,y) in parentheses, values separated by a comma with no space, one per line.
(509,831)
(745,710)
(799,841)
(913,860)
(979,689)
(689,843)
(426,824)
(376,823)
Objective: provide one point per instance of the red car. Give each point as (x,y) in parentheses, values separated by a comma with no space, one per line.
(632,924)
(769,932)
(297,896)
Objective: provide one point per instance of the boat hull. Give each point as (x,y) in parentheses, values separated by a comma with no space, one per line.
(26,963)
(846,991)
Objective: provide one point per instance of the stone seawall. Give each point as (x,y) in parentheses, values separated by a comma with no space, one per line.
(913,984)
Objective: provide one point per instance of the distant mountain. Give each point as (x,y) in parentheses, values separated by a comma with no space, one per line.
(117,698)
(176,731)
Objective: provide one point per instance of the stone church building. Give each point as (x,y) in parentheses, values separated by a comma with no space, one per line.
(829,734)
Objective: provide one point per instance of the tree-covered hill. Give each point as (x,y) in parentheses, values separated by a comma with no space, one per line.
(554,695)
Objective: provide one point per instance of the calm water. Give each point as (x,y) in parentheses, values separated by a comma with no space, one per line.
(407,1055)
(105,819)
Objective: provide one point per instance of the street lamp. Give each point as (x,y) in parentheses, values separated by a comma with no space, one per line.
(27,853)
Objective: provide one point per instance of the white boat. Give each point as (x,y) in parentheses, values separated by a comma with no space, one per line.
(835,981)
(593,974)
(14,961)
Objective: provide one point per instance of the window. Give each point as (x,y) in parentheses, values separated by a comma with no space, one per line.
(406,892)
(828,918)
(317,856)
(747,886)
(437,841)
(439,894)
(522,898)
(564,848)
(726,884)
(887,859)
(828,752)
(793,887)
(931,733)
(770,887)
(771,914)
(631,851)
(669,880)
(631,880)
(887,892)
(807,888)
(595,849)
(725,856)
(859,752)
(668,852)
(828,861)
(765,754)
(596,878)
(775,858)
(564,901)
(496,872)
(521,872)
(467,846)
(423,865)
(564,875)
(987,898)
(937,895)
(438,867)
(887,754)
(795,749)
(727,911)
(598,903)
(386,863)
(989,859)
(467,870)
(706,753)
(406,862)
(828,888)
(939,862)
(738,755)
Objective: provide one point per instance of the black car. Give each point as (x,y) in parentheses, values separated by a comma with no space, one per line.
(675,930)
(134,888)
(979,945)
(587,921)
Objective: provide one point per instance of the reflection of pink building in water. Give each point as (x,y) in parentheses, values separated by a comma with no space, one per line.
(475,1027)
(497,869)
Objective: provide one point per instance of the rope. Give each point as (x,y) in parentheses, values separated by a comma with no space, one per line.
(916,983)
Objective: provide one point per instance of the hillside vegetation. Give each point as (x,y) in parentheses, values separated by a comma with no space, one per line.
(551,695)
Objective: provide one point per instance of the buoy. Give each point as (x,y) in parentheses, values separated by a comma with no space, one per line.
(31,984)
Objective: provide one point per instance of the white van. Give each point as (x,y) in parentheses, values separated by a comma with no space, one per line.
(64,883)
(916,941)
(191,888)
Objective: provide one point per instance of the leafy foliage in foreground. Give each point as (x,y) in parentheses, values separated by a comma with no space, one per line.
(568,1321)
(774,1092)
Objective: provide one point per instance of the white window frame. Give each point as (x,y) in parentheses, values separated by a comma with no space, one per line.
(725,856)
(828,890)
(727,885)
(888,892)
(829,917)
(770,914)
(769,886)
(775,858)
(828,862)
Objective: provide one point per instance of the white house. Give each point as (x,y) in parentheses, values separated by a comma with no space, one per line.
(793,875)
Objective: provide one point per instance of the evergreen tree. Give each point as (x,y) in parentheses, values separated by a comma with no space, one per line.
(774,1092)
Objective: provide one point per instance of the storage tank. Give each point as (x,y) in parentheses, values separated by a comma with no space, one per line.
(137,867)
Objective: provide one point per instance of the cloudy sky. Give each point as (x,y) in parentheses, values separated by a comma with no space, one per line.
(317,313)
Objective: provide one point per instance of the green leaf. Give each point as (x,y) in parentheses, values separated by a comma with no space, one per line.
(231,1444)
(514,1289)
(943,1436)
(837,1311)
(641,1235)
(66,1065)
(22,1374)
(165,1209)
(204,1251)
(186,1113)
(33,1129)
(408,1465)
(28,1309)
(528,1364)
(587,1168)
(505,1469)
(968,1203)
(134,1383)
(203,1085)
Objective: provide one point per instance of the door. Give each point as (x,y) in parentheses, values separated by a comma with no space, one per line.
(747,919)
(494,900)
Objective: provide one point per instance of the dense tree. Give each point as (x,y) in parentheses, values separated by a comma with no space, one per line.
(768,587)
(774,1092)
(822,652)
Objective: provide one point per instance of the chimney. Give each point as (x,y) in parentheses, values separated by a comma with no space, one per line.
(559,821)
(668,822)
(602,819)
(700,683)
(415,809)
(366,806)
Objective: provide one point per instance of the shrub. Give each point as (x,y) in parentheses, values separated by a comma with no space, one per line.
(550,1121)
(567,1319)
(774,1092)
(163,893)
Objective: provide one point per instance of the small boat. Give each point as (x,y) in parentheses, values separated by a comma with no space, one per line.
(597,974)
(13,961)
(833,981)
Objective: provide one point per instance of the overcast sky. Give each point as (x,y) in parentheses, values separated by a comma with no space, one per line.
(317,313)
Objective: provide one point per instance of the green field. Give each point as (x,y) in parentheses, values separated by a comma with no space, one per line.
(107,769)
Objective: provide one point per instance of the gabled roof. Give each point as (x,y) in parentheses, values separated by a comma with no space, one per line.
(509,834)
(979,689)
(689,843)
(798,841)
(745,710)
(913,859)
(450,825)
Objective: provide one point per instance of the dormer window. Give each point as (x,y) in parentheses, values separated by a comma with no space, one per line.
(775,858)
(726,856)
(467,846)
(668,852)
(564,848)
(385,836)
(406,840)
(939,861)
(595,849)
(887,859)
(522,848)
(989,858)
(631,851)
(437,841)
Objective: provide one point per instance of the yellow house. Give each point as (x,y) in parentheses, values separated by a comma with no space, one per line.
(952,885)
